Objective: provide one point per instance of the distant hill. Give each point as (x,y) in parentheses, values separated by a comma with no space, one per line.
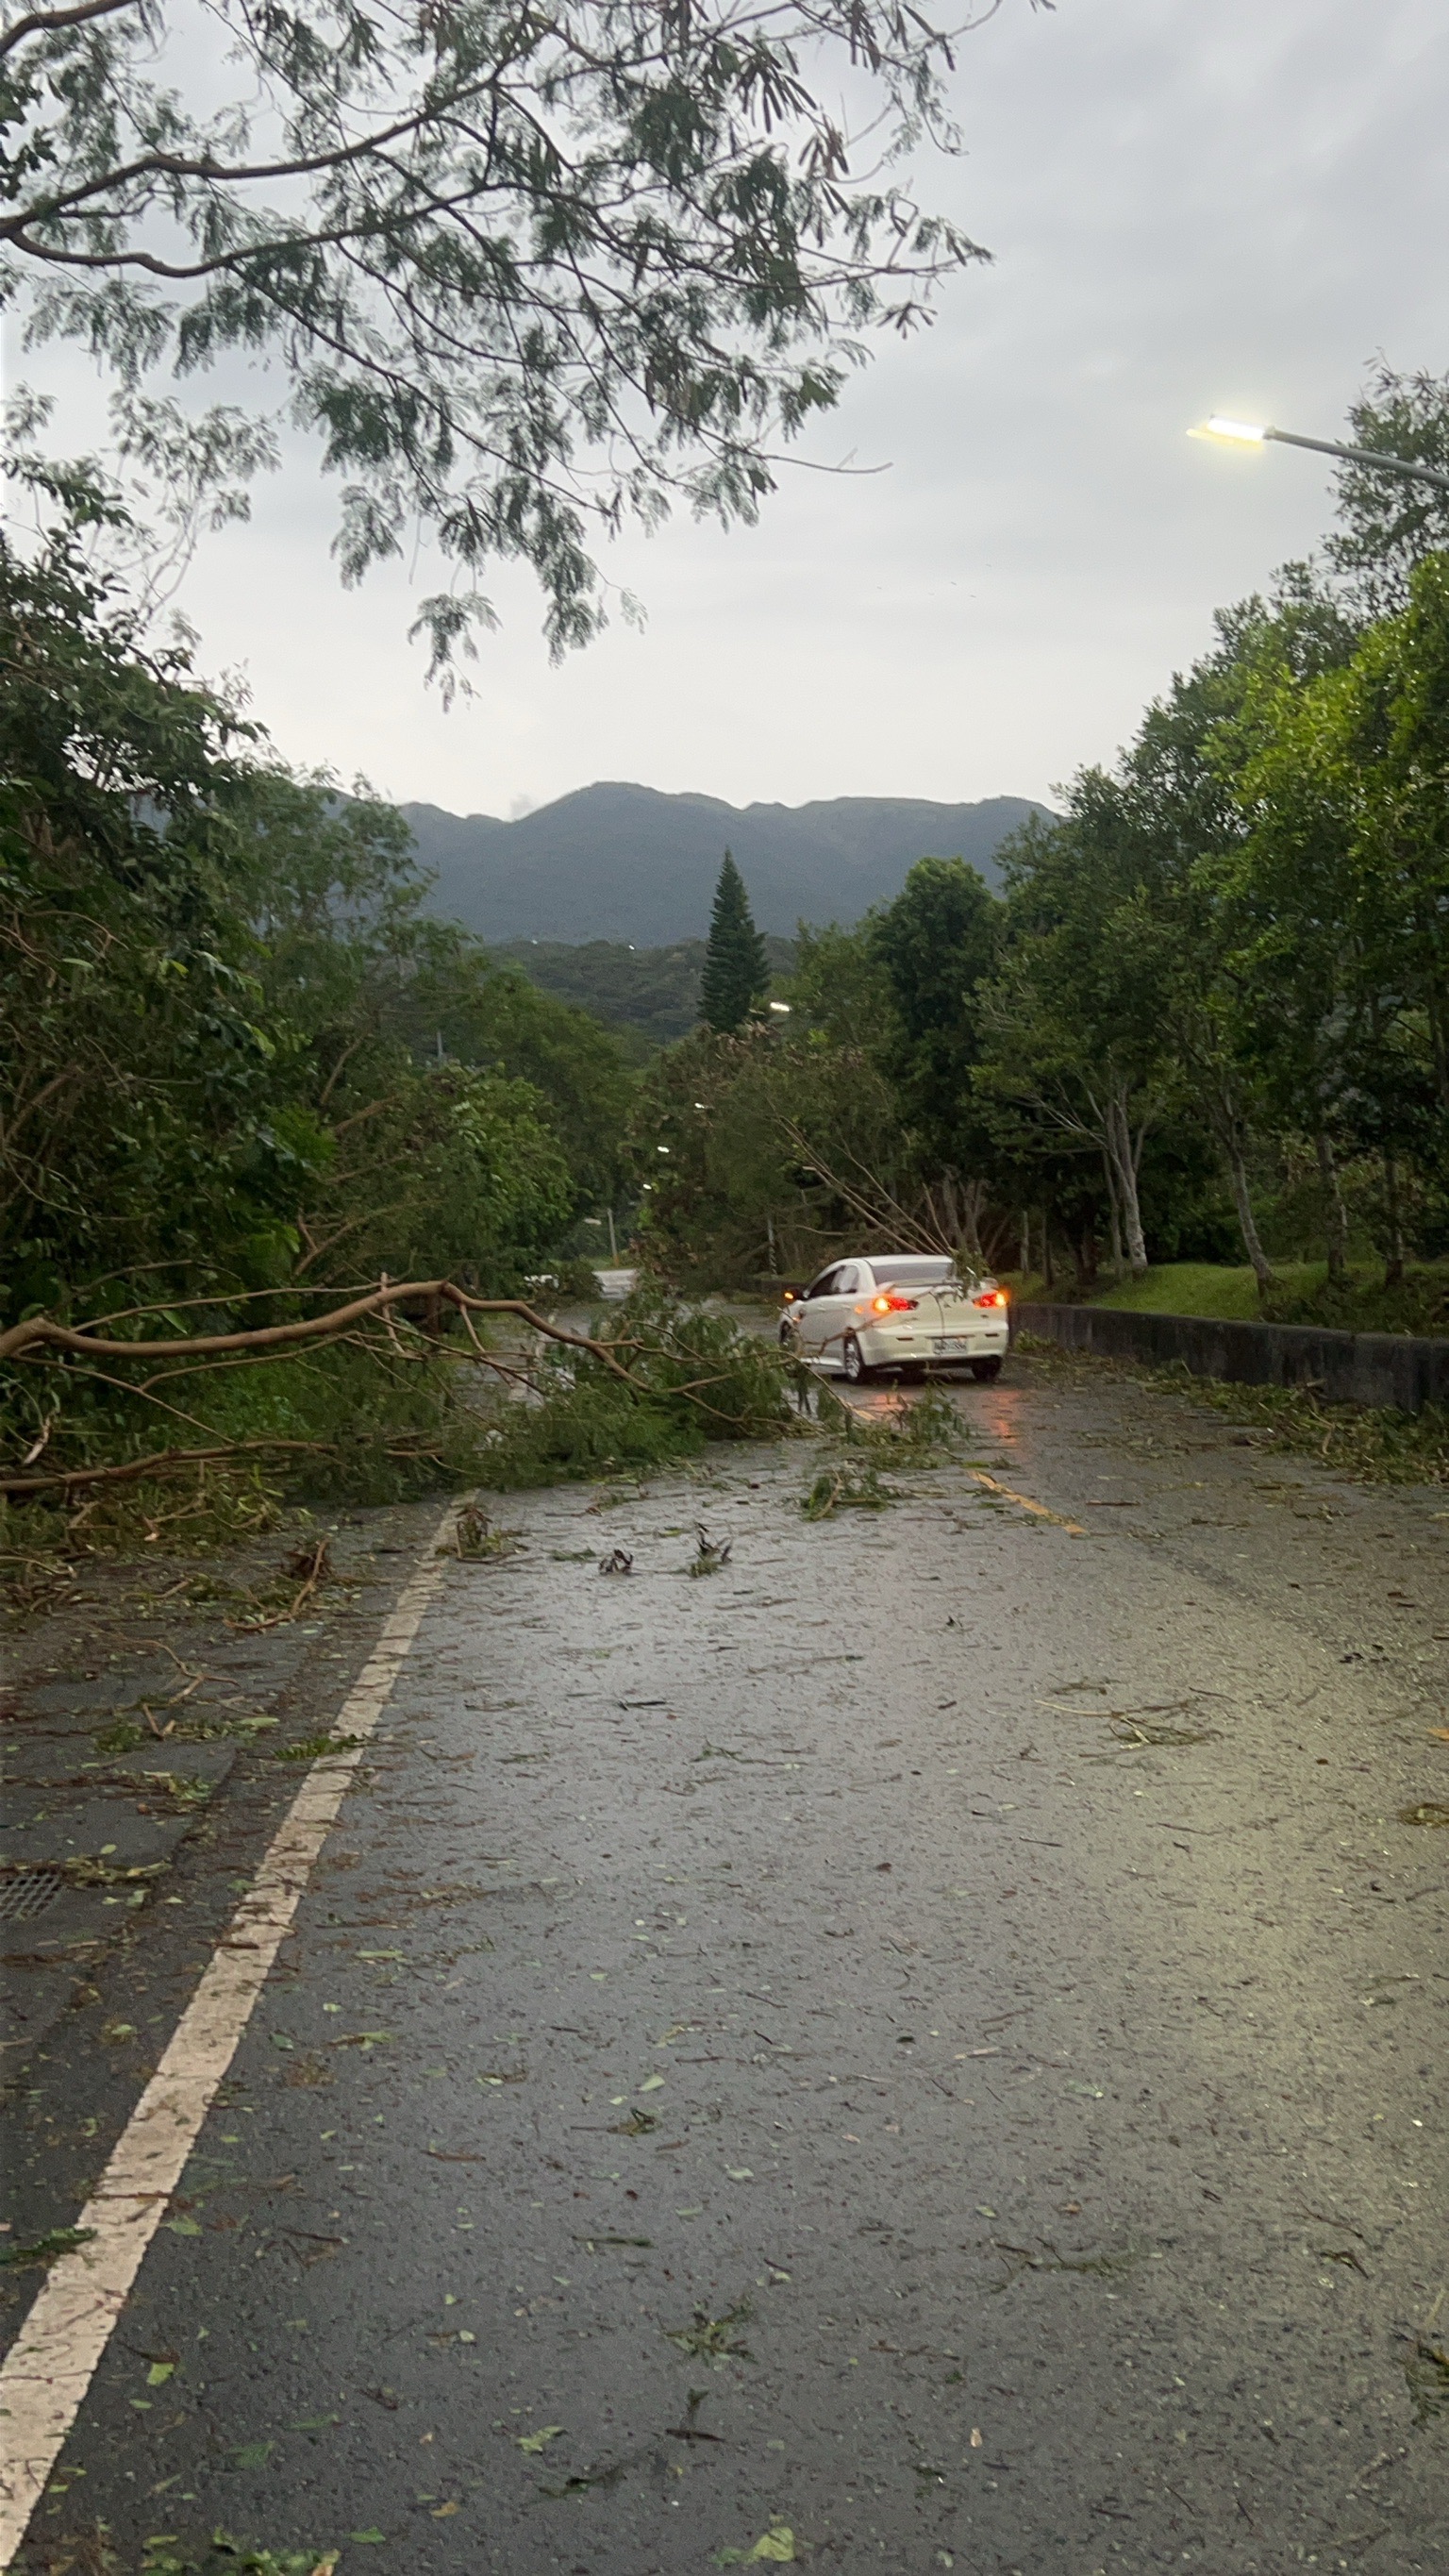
(626,863)
(654,991)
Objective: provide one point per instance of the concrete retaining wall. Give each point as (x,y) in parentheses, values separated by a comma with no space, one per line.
(1403,1369)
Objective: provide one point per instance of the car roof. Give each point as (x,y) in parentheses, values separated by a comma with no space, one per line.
(883,1263)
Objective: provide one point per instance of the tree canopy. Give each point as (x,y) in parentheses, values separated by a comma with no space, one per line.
(1211,1008)
(238,1056)
(525,274)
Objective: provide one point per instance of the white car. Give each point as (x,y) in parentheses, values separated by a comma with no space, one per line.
(905,1311)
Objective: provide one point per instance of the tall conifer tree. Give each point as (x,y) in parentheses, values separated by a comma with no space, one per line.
(735,967)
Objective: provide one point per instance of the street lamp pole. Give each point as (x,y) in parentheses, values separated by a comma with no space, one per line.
(1243,433)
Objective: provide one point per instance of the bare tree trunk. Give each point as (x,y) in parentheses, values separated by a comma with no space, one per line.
(1025,1243)
(1116,1225)
(1132,1213)
(1225,1117)
(1393,1210)
(1123,1160)
(976,1209)
(1048,1274)
(1247,1223)
(964,1208)
(1084,1253)
(1335,1214)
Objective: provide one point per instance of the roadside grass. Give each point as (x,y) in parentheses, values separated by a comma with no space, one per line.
(1197,1288)
(1302,1294)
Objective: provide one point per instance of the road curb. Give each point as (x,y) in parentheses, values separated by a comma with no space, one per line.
(1403,1370)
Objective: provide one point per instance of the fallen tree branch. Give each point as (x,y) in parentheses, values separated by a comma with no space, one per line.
(40,1332)
(160,1462)
(40,1337)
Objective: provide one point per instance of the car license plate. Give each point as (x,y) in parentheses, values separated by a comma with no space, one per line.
(951,1342)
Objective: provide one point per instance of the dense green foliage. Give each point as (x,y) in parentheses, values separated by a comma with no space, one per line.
(697,1378)
(526,273)
(736,968)
(240,1065)
(1208,1016)
(653,993)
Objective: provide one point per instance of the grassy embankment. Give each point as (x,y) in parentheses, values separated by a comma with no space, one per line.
(1302,1295)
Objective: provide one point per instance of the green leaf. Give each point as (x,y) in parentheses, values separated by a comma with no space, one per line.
(776,2545)
(251,2455)
(535,2442)
(45,2249)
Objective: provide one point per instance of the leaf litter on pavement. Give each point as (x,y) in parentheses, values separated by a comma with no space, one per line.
(1105,2265)
(1427,2372)
(228,2557)
(776,2545)
(539,2441)
(1135,1729)
(710,1554)
(843,1488)
(713,2339)
(46,2249)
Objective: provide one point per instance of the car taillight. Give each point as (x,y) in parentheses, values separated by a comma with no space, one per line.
(990,1297)
(893,1305)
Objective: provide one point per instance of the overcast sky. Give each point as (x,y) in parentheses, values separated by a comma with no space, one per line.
(1194,205)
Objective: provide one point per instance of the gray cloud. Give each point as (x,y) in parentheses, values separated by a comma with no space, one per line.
(1191,207)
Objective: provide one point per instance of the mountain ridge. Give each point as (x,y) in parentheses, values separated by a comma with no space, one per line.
(623,862)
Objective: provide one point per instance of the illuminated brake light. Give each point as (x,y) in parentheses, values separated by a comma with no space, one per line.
(893,1305)
(991,1297)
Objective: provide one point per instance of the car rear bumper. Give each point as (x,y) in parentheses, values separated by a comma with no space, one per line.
(893,1347)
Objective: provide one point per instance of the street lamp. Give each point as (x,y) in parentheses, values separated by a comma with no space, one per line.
(1247,433)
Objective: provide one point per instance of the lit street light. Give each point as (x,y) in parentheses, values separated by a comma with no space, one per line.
(1247,433)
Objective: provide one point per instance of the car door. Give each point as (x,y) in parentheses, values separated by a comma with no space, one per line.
(837,1307)
(815,1307)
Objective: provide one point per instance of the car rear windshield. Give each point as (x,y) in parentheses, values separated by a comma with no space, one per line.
(915,1272)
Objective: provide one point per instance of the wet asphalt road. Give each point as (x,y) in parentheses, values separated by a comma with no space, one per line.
(930,2040)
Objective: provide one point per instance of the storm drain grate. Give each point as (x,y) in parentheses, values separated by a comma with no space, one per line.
(24,1893)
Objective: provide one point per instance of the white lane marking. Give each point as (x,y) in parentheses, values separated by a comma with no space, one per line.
(50,2366)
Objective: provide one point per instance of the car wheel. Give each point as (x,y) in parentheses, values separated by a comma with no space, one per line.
(851,1361)
(787,1338)
(986,1370)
